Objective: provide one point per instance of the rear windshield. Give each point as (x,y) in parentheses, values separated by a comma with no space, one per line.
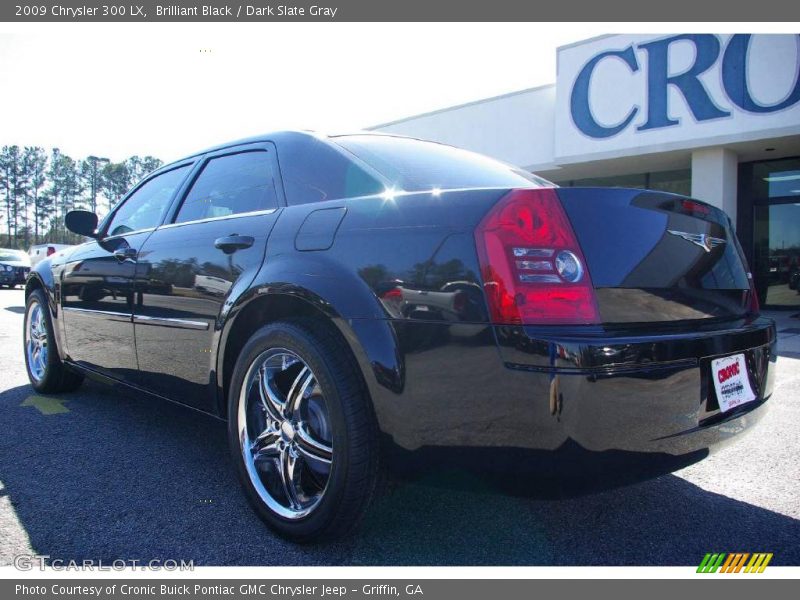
(14,256)
(414,165)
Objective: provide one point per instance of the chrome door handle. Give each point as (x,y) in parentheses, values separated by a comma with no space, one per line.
(124,254)
(231,243)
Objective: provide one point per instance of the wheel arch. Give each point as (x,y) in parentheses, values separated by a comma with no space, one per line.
(41,278)
(372,342)
(34,283)
(36,280)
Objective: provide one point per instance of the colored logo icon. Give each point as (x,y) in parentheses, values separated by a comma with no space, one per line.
(735,562)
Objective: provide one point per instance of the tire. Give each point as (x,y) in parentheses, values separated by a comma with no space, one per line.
(46,372)
(326,414)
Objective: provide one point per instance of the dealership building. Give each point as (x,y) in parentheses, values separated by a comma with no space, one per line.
(716,117)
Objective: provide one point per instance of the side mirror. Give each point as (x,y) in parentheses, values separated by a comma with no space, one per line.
(82,222)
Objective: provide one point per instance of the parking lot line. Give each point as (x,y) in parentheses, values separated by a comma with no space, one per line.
(46,406)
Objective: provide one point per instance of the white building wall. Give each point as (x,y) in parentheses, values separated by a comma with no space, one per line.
(518,128)
(535,129)
(715,178)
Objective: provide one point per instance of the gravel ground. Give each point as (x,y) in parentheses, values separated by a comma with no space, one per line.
(108,475)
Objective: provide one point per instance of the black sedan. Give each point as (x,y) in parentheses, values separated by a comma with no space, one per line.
(349,302)
(14,267)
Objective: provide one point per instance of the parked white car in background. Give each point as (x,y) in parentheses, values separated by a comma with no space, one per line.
(40,251)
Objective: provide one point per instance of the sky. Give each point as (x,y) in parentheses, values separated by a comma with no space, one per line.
(170,89)
(114,90)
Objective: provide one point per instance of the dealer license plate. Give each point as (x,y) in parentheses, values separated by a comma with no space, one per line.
(731,382)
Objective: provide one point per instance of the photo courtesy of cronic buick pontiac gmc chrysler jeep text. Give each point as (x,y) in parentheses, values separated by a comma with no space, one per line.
(346,300)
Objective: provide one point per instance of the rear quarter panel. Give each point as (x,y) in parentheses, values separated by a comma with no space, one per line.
(423,242)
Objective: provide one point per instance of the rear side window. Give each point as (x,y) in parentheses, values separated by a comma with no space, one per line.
(143,209)
(416,166)
(313,171)
(229,185)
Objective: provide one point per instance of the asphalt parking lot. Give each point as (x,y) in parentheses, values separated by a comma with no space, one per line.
(99,474)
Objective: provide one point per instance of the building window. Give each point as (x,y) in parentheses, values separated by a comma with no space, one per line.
(677,182)
(769,227)
(776,179)
(626,181)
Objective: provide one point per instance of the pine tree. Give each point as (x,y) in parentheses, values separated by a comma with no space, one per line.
(115,182)
(33,164)
(91,177)
(37,192)
(5,187)
(139,168)
(36,165)
(12,185)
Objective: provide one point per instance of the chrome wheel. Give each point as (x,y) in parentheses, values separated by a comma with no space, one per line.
(36,341)
(285,433)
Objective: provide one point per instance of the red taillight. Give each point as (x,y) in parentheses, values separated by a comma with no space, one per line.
(50,250)
(395,294)
(393,301)
(532,266)
(695,207)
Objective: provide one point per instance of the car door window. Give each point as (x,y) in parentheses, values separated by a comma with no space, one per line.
(143,209)
(229,185)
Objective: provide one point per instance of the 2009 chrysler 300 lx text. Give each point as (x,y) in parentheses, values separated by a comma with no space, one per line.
(339,299)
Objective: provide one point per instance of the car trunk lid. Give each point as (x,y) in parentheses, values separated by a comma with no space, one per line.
(658,257)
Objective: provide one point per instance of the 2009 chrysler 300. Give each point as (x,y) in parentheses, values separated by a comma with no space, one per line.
(341,299)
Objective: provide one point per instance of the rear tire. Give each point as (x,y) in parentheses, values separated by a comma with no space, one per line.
(307,457)
(46,371)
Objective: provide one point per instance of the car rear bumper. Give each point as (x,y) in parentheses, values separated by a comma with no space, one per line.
(646,393)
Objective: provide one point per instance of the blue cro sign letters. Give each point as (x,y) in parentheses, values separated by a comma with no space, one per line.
(651,60)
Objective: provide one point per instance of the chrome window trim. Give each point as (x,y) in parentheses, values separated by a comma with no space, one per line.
(252,213)
(168,322)
(127,233)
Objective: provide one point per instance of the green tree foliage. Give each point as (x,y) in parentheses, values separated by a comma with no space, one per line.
(118,178)
(91,177)
(65,190)
(116,181)
(37,191)
(35,166)
(136,168)
(12,185)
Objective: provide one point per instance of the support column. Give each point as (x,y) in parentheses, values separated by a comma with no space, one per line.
(715,178)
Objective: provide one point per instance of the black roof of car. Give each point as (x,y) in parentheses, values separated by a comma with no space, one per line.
(276,136)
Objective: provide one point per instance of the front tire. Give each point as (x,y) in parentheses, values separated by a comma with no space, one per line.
(302,432)
(46,371)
